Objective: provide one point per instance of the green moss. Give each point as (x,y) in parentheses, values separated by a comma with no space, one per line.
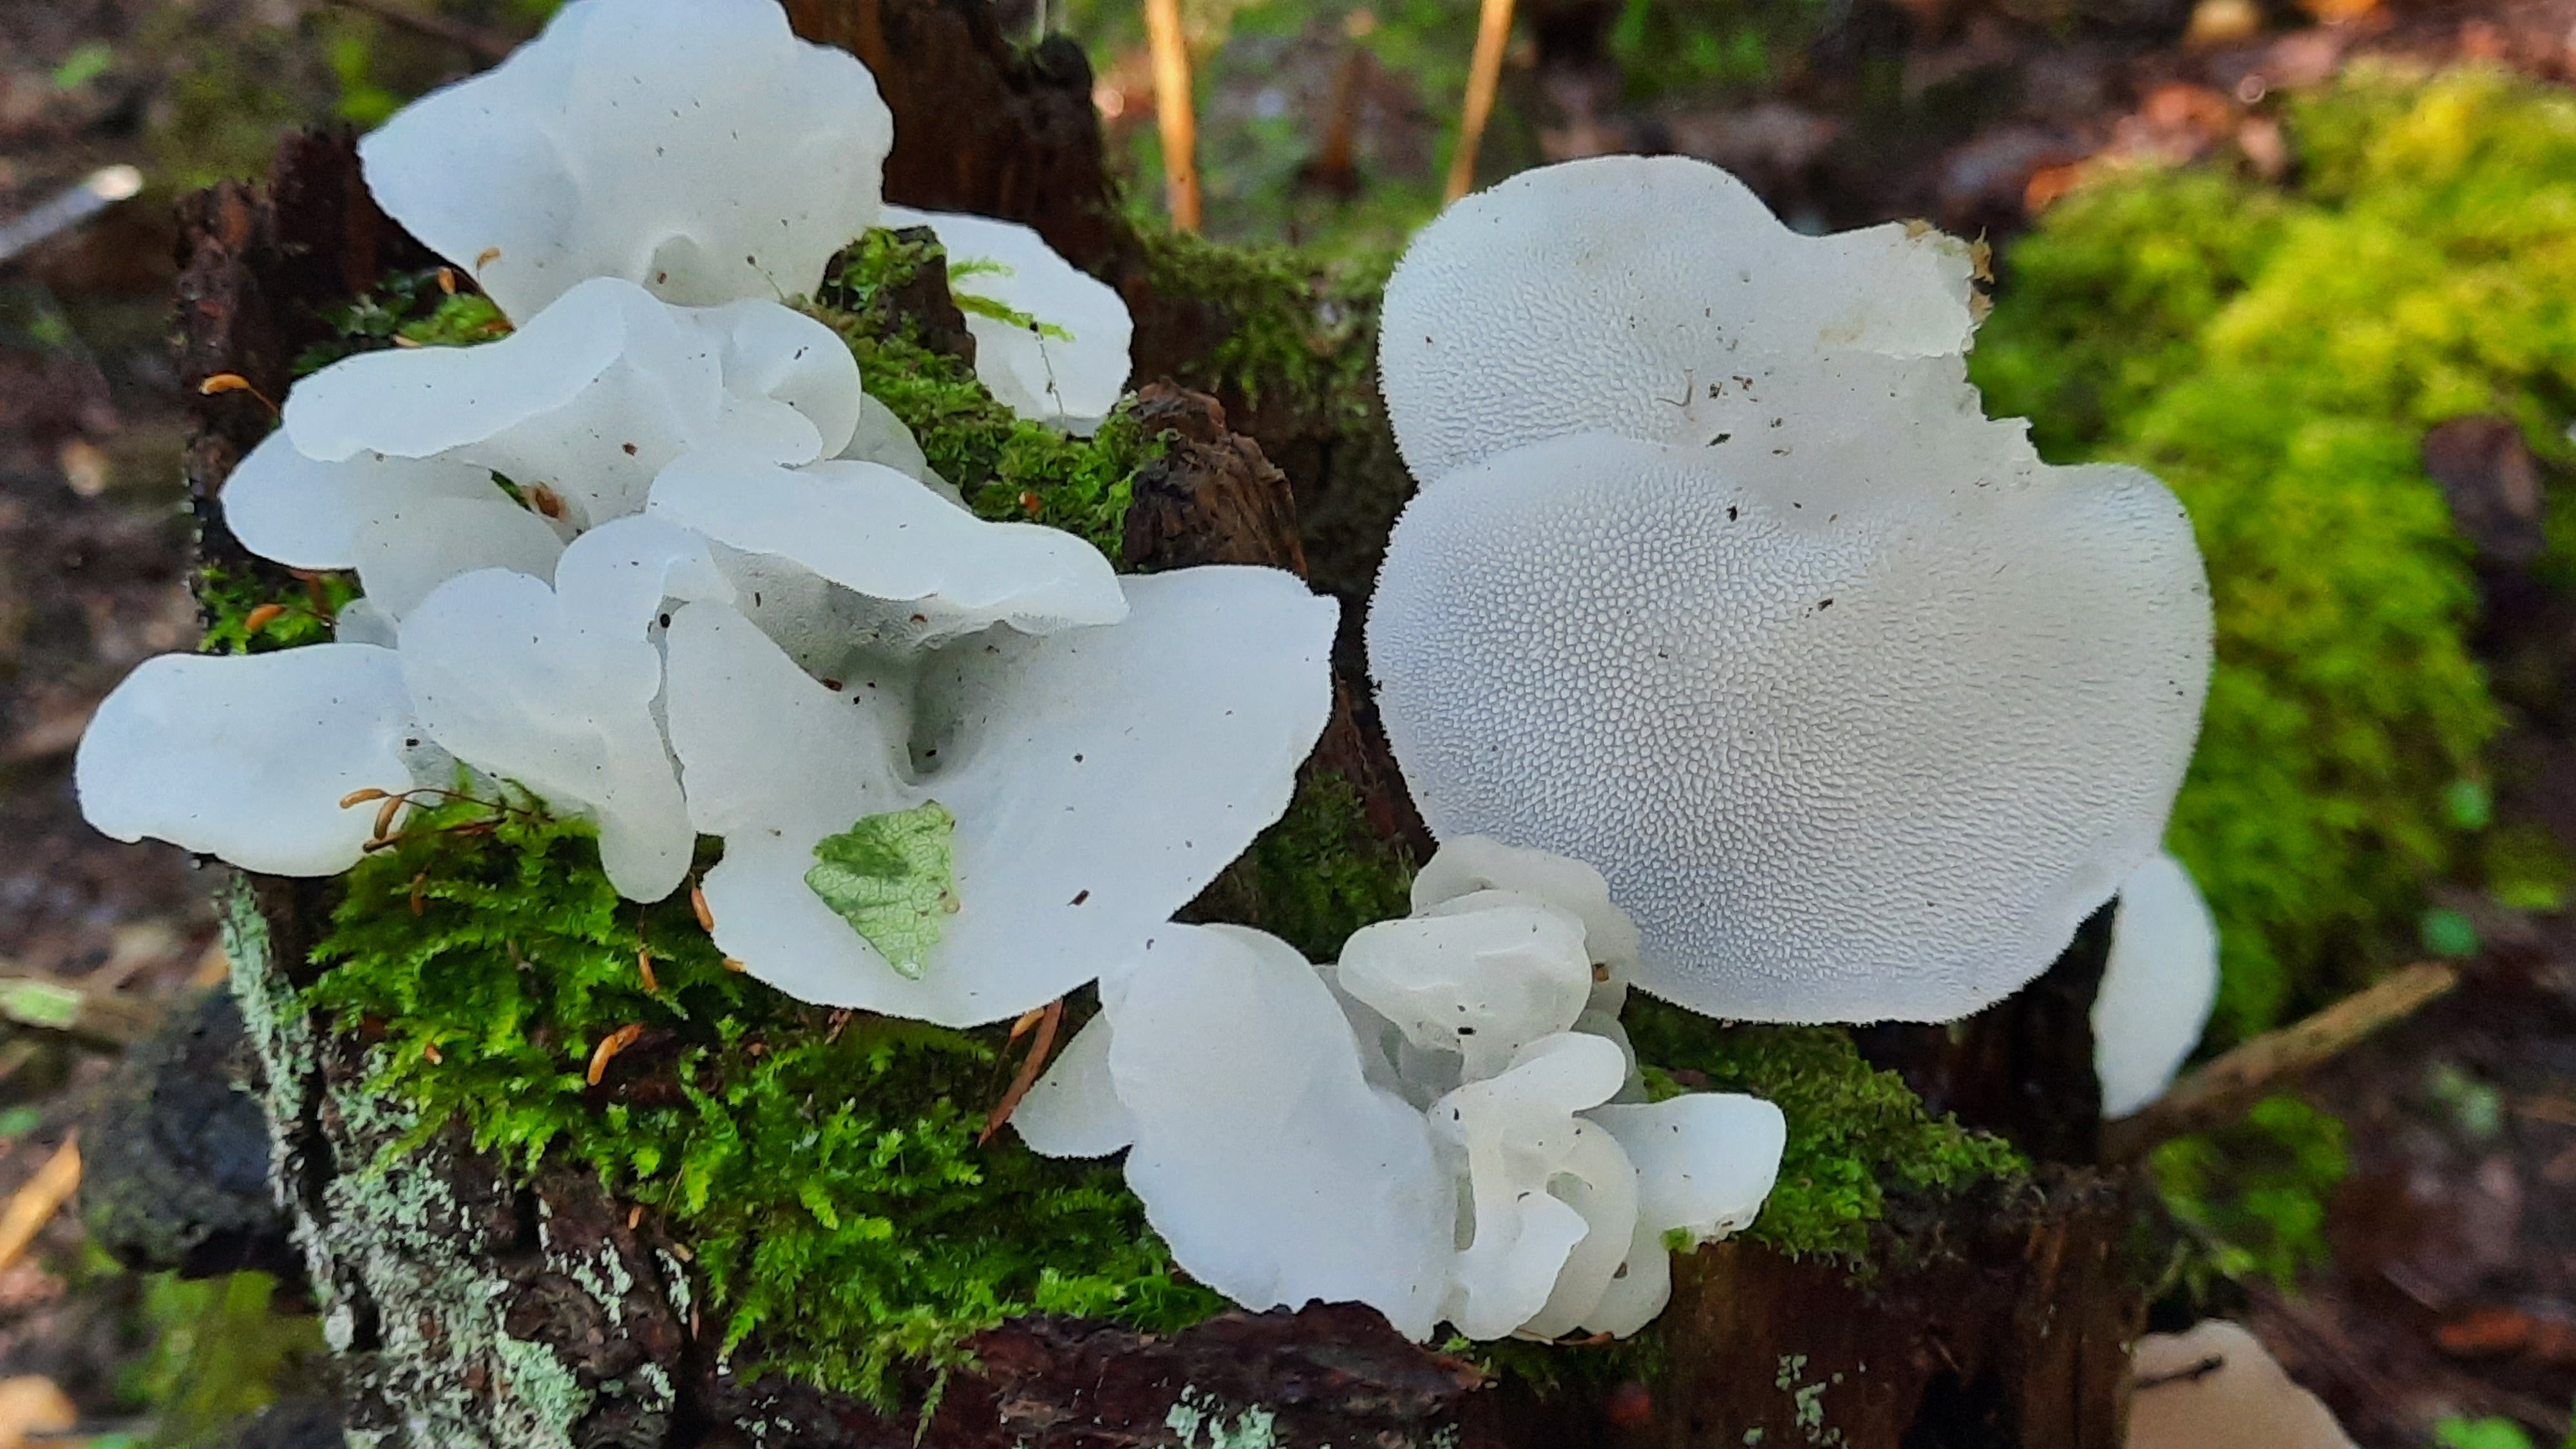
(1281,321)
(822,1166)
(415,308)
(2252,1196)
(1006,466)
(2277,357)
(229,599)
(1321,873)
(219,1351)
(1857,1136)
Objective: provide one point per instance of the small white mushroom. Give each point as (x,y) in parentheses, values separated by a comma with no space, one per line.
(249,756)
(593,397)
(696,147)
(2157,987)
(1705,1163)
(554,688)
(1068,361)
(1479,985)
(1516,1133)
(1468,864)
(1568,1203)
(881,535)
(1277,1174)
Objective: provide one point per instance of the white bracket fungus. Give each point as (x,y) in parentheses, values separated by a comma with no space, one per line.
(1347,1133)
(1719,580)
(696,147)
(806,639)
(249,758)
(2157,987)
(1050,340)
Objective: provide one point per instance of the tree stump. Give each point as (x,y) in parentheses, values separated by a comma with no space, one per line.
(477,1308)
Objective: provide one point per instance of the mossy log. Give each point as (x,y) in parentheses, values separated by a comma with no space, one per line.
(476,1307)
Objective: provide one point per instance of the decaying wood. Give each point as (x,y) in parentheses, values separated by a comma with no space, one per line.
(2012,1330)
(474,1308)
(2220,1091)
(2022,1068)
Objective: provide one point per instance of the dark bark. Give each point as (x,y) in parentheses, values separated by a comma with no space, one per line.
(472,1306)
(2022,1068)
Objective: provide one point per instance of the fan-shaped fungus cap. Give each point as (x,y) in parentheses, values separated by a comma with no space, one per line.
(696,147)
(1097,776)
(592,398)
(1654,298)
(2157,987)
(249,757)
(1050,340)
(1859,716)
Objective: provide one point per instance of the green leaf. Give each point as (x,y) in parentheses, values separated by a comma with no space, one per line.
(2447,932)
(893,877)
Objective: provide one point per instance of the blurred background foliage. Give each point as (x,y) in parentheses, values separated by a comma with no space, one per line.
(2277,354)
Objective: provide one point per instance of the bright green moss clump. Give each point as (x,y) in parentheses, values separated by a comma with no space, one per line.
(2277,358)
(822,1167)
(1857,1135)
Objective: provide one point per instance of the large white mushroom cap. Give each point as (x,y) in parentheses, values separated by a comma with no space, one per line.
(2157,987)
(1298,1133)
(1858,707)
(1654,298)
(1065,363)
(696,147)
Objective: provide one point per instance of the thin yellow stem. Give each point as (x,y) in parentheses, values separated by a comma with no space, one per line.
(1174,111)
(1493,34)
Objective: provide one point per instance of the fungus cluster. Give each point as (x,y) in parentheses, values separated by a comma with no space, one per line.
(1446,1124)
(655,559)
(1719,579)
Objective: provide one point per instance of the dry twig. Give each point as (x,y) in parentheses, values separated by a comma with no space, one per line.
(1050,1017)
(1175,112)
(1493,34)
(2221,1089)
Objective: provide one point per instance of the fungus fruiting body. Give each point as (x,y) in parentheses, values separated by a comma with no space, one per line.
(653,559)
(1719,579)
(2157,986)
(695,147)
(1443,1124)
(1050,341)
